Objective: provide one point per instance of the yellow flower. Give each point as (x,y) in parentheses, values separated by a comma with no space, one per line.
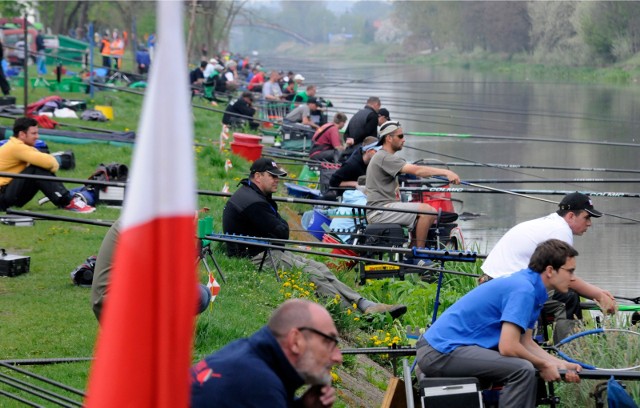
(355,319)
(354,306)
(287,295)
(286,284)
(348,312)
(335,377)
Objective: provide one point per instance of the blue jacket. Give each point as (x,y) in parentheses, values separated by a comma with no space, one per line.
(250,372)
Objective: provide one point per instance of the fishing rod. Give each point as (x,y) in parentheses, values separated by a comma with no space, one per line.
(525,195)
(525,166)
(521,139)
(38,391)
(483,189)
(64,179)
(261,243)
(542,180)
(43,379)
(41,216)
(452,254)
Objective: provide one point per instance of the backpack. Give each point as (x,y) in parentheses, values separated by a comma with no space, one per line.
(83,275)
(104,172)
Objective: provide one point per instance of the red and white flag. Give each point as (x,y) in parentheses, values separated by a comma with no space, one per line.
(143,353)
(213,286)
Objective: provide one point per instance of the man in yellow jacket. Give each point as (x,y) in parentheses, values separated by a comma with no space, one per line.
(19,156)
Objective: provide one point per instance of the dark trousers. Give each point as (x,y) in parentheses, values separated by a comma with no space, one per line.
(4,85)
(20,191)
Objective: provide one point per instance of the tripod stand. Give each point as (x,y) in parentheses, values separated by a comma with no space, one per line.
(40,81)
(205,251)
(119,76)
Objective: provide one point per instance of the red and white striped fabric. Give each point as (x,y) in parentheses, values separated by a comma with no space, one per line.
(144,347)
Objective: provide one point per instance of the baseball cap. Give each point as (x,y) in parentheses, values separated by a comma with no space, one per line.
(579,201)
(268,165)
(298,77)
(384,112)
(388,128)
(312,99)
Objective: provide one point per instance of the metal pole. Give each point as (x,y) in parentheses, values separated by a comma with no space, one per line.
(25,65)
(92,46)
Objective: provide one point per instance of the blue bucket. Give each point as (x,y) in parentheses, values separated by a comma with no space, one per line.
(313,222)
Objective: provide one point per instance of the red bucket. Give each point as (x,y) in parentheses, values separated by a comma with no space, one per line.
(251,152)
(247,139)
(348,264)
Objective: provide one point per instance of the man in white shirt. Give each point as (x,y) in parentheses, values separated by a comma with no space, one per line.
(514,249)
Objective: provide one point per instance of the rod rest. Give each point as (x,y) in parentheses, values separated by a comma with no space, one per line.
(444,255)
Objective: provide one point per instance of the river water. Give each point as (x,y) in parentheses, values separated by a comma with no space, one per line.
(458,101)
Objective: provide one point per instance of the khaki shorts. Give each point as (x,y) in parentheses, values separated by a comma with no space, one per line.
(394,217)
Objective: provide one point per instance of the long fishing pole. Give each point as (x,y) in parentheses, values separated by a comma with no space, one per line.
(524,166)
(39,391)
(370,248)
(340,256)
(524,195)
(483,189)
(20,399)
(537,181)
(528,139)
(37,215)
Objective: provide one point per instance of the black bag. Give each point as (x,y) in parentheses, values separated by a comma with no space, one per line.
(66,159)
(83,275)
(384,235)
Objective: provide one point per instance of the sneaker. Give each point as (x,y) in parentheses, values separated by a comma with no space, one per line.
(394,310)
(77,204)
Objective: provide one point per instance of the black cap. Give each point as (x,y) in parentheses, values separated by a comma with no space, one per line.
(312,99)
(578,201)
(268,165)
(384,112)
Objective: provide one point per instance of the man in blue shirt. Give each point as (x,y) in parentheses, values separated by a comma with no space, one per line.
(488,333)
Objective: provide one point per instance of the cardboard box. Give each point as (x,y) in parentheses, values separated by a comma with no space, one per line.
(112,195)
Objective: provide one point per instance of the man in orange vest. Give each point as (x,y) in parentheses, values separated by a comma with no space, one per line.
(105,51)
(117,51)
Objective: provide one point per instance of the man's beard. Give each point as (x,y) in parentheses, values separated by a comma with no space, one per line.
(309,370)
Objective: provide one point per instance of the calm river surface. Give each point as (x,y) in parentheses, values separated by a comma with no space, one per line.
(459,101)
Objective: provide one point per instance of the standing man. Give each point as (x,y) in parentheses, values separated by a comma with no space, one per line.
(383,189)
(364,123)
(19,156)
(40,49)
(252,212)
(4,84)
(488,332)
(511,252)
(298,346)
(117,51)
(105,51)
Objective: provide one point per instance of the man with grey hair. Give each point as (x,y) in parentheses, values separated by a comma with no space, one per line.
(382,185)
(298,346)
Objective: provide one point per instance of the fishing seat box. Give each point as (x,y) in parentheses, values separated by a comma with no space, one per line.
(388,235)
(13,265)
(445,392)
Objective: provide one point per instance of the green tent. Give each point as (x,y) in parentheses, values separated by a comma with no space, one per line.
(69,51)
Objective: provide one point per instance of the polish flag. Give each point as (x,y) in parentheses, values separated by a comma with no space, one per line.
(143,353)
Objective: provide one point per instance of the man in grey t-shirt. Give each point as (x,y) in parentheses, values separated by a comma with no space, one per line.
(302,114)
(382,185)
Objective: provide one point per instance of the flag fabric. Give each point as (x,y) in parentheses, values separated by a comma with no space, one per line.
(213,286)
(227,165)
(224,135)
(143,353)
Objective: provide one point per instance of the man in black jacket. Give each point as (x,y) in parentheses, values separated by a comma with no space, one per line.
(364,123)
(251,211)
(236,114)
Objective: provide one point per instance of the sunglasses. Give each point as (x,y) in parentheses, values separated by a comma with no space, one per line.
(400,136)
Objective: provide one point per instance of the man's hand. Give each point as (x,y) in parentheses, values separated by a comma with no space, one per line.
(607,302)
(549,372)
(452,177)
(349,141)
(320,396)
(573,371)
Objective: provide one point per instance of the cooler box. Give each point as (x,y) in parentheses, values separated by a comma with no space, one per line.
(112,195)
(13,265)
(247,139)
(442,392)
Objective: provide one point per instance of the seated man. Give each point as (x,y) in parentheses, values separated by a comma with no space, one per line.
(327,143)
(102,273)
(19,156)
(196,78)
(513,250)
(382,185)
(302,114)
(349,173)
(251,211)
(488,333)
(298,346)
(241,112)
